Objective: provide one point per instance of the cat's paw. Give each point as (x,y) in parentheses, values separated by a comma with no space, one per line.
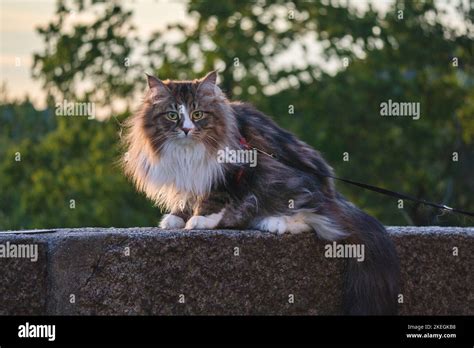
(199,222)
(275,224)
(171,221)
(297,224)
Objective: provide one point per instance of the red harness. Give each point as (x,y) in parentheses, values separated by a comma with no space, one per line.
(245,145)
(243,142)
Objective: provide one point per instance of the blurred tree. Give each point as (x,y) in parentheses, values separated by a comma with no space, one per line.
(406,54)
(67,176)
(267,54)
(88,58)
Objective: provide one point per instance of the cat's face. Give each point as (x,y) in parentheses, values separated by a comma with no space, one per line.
(186,113)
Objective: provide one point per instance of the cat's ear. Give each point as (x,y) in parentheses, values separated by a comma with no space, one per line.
(157,88)
(210,78)
(209,82)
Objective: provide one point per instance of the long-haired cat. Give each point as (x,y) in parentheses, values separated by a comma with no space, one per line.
(174,154)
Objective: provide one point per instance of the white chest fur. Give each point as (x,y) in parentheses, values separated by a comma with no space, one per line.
(184,170)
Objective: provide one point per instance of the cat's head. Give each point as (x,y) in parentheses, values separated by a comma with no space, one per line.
(187,113)
(172,142)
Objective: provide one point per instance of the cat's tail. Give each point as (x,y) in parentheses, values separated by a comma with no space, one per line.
(371,284)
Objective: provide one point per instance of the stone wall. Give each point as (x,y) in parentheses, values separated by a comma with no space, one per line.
(151,271)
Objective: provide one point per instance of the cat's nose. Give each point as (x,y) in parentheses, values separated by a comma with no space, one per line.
(186,130)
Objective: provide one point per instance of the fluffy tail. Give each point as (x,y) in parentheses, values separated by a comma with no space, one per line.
(371,286)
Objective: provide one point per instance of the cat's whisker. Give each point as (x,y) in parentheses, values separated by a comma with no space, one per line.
(210,137)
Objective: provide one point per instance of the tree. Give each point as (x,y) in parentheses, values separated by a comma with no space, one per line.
(407,54)
(340,113)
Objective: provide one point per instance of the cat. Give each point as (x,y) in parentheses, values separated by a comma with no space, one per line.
(172,145)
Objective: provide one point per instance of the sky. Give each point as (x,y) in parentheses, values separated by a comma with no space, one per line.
(19,40)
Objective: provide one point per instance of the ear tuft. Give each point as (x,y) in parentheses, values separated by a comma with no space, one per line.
(209,82)
(211,77)
(157,87)
(153,81)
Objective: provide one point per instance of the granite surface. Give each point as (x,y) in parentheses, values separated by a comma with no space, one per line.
(148,271)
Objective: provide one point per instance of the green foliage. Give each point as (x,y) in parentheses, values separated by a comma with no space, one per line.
(91,57)
(67,177)
(407,59)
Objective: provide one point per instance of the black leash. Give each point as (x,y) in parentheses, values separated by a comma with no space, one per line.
(246,145)
(377,189)
(401,195)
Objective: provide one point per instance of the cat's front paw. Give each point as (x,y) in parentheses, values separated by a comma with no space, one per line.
(199,222)
(171,221)
(275,224)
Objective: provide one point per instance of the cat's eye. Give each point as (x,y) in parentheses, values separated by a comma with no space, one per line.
(172,115)
(197,115)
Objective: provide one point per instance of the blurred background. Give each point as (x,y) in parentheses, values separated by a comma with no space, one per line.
(320,68)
